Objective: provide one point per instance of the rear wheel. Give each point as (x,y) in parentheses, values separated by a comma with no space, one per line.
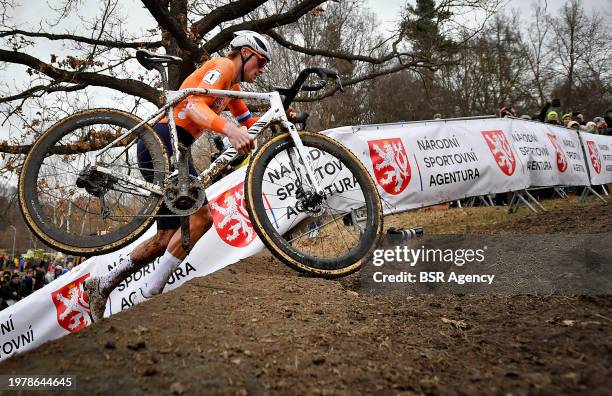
(82,211)
(327,235)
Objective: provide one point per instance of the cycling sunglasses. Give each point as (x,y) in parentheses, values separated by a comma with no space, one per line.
(261,61)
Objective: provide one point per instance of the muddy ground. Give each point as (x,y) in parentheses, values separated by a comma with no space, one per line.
(260,328)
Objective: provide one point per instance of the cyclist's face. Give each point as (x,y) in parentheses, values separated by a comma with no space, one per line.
(255,65)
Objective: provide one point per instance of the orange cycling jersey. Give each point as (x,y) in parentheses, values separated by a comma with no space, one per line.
(215,74)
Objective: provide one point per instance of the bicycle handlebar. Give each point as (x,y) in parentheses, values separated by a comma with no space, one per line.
(323,73)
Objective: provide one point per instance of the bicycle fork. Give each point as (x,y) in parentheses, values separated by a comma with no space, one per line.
(302,163)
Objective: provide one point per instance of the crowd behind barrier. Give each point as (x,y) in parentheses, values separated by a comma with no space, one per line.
(21,277)
(600,125)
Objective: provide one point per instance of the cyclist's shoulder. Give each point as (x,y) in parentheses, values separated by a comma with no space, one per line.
(221,64)
(214,73)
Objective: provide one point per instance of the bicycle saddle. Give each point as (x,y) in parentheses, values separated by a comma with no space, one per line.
(148,59)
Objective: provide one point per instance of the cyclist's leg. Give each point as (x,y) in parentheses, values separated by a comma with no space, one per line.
(98,289)
(155,246)
(199,223)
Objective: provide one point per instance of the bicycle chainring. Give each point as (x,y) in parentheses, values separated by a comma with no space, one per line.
(184,205)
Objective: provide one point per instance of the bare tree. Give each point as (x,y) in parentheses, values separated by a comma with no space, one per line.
(572,36)
(538,55)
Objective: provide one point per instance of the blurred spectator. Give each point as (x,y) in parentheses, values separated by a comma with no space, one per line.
(27,284)
(590,127)
(551,118)
(601,125)
(578,116)
(11,292)
(437,116)
(69,266)
(608,119)
(574,125)
(506,111)
(525,117)
(50,276)
(59,271)
(566,119)
(39,278)
(3,303)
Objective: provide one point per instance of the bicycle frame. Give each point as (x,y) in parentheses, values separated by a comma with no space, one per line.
(276,113)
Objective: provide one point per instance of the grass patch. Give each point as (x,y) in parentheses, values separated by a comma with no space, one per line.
(466,220)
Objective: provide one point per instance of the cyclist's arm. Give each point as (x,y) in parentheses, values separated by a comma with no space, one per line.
(198,107)
(240,111)
(203,115)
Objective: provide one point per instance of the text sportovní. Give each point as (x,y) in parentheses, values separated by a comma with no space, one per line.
(411,257)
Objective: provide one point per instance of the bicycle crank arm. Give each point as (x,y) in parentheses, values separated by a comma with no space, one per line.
(185,234)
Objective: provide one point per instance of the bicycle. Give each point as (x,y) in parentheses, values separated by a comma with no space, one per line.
(82,192)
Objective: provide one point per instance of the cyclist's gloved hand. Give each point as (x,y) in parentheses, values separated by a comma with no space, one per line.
(239,138)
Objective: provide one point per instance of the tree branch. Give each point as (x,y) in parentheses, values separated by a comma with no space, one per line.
(331,54)
(224,13)
(370,76)
(128,86)
(81,39)
(262,25)
(39,90)
(73,148)
(168,22)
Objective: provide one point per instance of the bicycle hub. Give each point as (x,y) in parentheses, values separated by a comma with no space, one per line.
(94,182)
(309,201)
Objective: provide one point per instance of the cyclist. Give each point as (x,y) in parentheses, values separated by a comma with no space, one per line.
(249,54)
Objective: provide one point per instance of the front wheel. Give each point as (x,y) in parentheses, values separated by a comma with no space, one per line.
(328,235)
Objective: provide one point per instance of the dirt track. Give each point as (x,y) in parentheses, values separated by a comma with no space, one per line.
(259,328)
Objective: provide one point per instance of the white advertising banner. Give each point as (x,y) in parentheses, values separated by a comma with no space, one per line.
(598,150)
(423,164)
(414,165)
(550,155)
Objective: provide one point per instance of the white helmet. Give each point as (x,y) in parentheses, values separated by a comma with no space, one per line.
(253,40)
